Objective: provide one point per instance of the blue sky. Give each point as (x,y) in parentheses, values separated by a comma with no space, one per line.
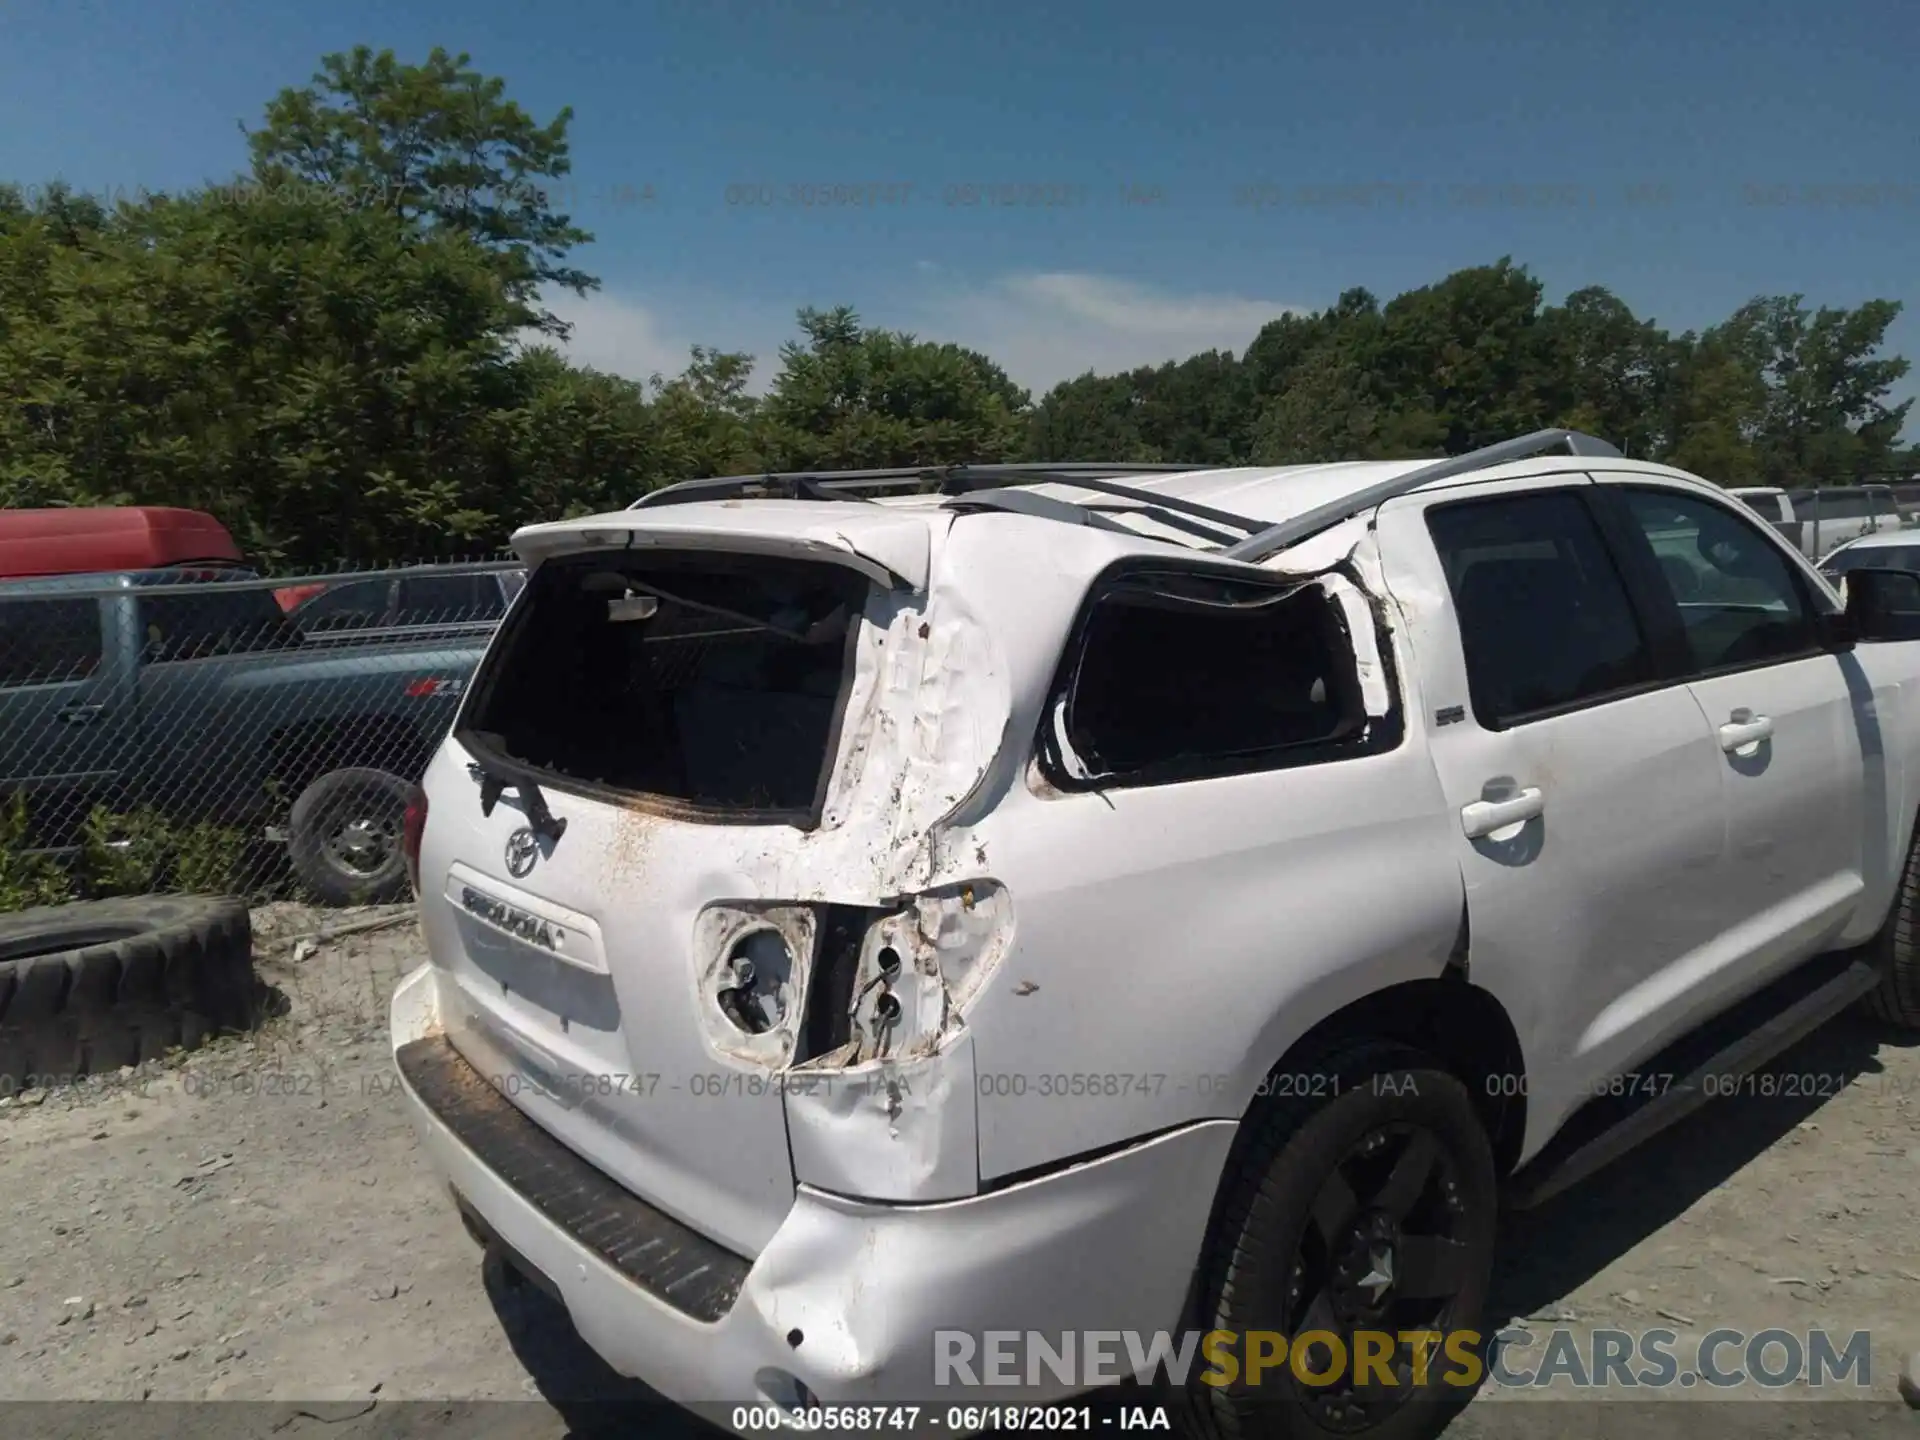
(1086,185)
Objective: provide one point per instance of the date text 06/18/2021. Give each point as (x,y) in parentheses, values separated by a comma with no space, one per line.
(1080,1416)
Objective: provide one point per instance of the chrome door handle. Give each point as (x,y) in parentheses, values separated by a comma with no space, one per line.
(1483,817)
(81,714)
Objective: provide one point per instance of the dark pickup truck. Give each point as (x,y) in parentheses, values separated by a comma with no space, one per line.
(195,696)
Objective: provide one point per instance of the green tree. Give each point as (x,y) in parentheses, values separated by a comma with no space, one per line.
(569,441)
(1194,410)
(855,398)
(1329,394)
(1338,406)
(1467,351)
(708,420)
(1823,416)
(330,383)
(353,379)
(1283,344)
(1093,417)
(68,216)
(1605,372)
(1715,410)
(438,144)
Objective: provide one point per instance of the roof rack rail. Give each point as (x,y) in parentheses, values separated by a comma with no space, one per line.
(1275,538)
(995,487)
(847,484)
(956,481)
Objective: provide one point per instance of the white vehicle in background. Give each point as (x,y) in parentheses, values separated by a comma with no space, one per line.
(1836,515)
(1769,502)
(1126,899)
(1816,522)
(1887,550)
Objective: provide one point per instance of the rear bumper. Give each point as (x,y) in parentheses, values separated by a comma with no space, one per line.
(847,1296)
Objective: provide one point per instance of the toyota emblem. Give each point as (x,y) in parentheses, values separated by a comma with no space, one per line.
(522,850)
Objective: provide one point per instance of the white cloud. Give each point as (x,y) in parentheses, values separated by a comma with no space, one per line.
(1041,328)
(623,337)
(624,333)
(1045,328)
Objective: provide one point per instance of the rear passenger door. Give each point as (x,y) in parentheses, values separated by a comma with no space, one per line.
(204,715)
(1743,624)
(1585,788)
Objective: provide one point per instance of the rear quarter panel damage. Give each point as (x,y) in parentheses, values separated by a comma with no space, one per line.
(931,720)
(888,1128)
(1174,942)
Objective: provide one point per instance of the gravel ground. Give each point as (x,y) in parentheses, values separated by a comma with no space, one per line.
(255,1222)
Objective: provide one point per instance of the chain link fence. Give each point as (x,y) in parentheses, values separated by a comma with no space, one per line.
(218,731)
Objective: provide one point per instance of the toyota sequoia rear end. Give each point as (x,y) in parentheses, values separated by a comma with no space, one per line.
(631,884)
(726,1036)
(703,939)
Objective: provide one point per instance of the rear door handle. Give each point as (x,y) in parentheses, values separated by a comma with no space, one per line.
(81,714)
(1483,817)
(1744,728)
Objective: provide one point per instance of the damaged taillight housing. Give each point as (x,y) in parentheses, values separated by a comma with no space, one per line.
(754,961)
(839,985)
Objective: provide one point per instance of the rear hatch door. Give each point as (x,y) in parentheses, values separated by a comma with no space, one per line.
(622,823)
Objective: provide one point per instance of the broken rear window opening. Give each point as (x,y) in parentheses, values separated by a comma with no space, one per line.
(715,682)
(1177,676)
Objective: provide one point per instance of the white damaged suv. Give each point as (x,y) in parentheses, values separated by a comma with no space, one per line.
(1072,899)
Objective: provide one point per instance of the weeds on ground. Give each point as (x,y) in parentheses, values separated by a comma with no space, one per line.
(138,852)
(27,879)
(143,851)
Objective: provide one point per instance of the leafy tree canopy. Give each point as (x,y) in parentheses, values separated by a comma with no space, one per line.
(345,358)
(437,143)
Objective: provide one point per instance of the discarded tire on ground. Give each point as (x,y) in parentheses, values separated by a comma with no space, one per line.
(89,987)
(343,837)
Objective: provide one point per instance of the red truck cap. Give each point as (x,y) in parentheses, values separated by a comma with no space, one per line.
(91,540)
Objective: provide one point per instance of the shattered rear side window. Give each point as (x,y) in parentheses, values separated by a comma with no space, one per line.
(1181,677)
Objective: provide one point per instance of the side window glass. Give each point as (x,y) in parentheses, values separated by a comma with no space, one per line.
(357,605)
(1180,677)
(1740,602)
(490,597)
(197,623)
(448,600)
(45,642)
(1545,622)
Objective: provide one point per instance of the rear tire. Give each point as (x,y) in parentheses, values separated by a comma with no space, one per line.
(90,987)
(1370,1205)
(1896,951)
(343,837)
